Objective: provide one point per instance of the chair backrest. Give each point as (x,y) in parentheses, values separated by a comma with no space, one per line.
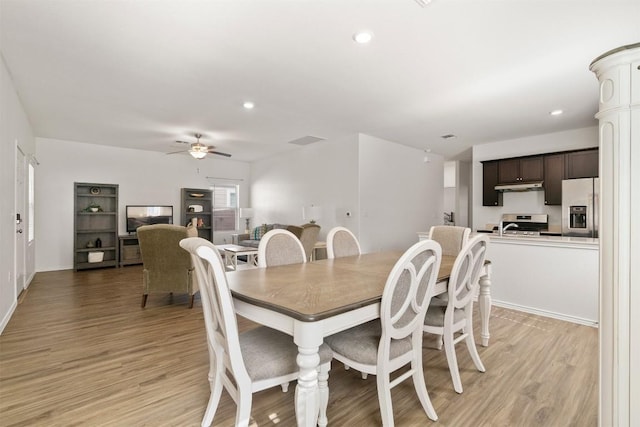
(465,273)
(217,306)
(309,237)
(166,266)
(295,229)
(451,238)
(280,247)
(342,242)
(407,294)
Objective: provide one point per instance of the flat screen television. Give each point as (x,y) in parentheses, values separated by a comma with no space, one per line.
(138,215)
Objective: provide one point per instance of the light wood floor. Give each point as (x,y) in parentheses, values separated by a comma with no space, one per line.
(79,351)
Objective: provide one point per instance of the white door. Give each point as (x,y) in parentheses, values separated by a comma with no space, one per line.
(20,223)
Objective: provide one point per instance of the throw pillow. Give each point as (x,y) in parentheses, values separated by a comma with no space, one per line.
(258,232)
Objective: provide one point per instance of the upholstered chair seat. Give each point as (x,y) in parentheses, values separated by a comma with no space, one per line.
(268,353)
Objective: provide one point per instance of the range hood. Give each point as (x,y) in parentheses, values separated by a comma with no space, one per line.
(520,186)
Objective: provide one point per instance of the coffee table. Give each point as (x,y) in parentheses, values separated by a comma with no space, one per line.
(231,253)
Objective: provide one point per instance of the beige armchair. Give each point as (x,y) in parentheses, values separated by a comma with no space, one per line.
(167,268)
(309,237)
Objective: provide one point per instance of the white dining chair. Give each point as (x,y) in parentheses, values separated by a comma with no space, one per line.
(280,247)
(342,242)
(383,346)
(457,315)
(248,362)
(451,238)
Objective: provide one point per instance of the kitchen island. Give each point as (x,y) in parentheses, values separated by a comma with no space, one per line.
(552,276)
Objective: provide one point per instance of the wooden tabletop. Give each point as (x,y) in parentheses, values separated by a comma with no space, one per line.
(320,289)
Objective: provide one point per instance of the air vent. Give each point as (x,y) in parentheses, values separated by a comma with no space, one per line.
(306,140)
(423,3)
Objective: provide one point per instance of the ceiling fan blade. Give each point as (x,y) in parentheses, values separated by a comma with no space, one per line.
(183,142)
(176,152)
(219,153)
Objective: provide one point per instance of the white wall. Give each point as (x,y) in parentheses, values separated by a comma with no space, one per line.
(144,177)
(463,193)
(324,174)
(388,189)
(400,194)
(530,201)
(15,131)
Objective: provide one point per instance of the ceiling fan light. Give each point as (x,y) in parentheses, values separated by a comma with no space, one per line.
(198,154)
(198,151)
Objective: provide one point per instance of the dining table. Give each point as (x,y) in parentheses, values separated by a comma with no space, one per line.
(316,299)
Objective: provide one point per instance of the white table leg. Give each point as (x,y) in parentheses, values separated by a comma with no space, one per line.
(484,304)
(308,337)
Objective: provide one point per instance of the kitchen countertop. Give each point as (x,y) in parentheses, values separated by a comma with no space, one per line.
(551,241)
(558,241)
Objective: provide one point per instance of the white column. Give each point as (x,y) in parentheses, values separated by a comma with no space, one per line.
(618,73)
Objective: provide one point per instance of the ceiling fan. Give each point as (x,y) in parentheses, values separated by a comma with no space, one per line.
(199,150)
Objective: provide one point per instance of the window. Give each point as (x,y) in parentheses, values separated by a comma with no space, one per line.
(225,207)
(31,217)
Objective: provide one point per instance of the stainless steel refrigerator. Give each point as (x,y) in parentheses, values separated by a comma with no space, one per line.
(580,202)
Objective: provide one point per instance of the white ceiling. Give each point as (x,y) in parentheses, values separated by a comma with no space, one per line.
(142,74)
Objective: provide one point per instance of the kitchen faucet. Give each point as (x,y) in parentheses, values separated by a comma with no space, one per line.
(502,229)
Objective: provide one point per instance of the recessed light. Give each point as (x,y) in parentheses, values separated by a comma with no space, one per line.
(248,105)
(363,37)
(556,112)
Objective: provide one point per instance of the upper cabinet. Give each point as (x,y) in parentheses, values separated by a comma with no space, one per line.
(553,176)
(490,197)
(582,164)
(520,169)
(549,168)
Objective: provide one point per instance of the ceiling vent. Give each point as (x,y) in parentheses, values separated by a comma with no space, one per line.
(423,3)
(306,140)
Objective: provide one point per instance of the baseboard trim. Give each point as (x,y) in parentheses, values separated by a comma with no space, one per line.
(7,317)
(545,313)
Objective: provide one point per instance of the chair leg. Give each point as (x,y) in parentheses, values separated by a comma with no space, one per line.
(473,350)
(243,411)
(384,398)
(450,350)
(323,389)
(421,387)
(191,302)
(440,341)
(215,384)
(144,300)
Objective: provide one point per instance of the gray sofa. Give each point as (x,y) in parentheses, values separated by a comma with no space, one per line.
(249,239)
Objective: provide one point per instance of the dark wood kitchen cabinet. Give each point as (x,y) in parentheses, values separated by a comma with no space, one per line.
(582,164)
(521,169)
(553,176)
(490,197)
